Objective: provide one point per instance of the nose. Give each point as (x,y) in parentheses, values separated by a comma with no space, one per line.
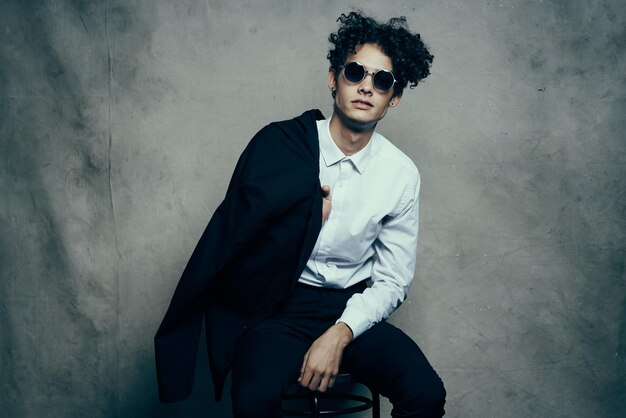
(366,86)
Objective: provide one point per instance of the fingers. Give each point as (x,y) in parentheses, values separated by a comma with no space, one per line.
(324,383)
(325,191)
(316,380)
(319,381)
(309,380)
(331,381)
(308,377)
(321,362)
(303,368)
(306,373)
(328,381)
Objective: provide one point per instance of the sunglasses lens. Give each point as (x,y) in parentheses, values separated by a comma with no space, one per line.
(383,80)
(354,72)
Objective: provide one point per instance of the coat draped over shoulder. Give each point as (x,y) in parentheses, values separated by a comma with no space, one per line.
(249,257)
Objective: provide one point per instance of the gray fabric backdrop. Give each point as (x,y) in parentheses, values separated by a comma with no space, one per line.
(120,124)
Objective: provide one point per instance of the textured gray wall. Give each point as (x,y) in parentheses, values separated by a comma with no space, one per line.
(121,121)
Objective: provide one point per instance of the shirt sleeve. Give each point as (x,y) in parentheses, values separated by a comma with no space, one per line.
(393,268)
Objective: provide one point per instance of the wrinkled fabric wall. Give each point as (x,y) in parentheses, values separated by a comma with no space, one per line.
(121,121)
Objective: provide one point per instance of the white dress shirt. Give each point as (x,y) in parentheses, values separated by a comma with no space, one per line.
(372,228)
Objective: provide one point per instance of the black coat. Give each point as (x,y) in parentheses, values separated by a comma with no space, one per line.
(250,255)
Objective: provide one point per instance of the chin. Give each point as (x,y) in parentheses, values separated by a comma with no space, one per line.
(356,121)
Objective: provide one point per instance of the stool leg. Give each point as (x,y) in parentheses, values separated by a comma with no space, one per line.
(375,405)
(314,405)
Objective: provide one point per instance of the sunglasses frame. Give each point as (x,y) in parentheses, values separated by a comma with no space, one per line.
(366,73)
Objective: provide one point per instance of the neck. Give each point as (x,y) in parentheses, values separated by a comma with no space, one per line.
(350,138)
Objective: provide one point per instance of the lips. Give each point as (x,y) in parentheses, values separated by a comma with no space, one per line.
(361,104)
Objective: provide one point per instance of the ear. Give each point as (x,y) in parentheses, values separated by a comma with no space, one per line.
(332,83)
(395,100)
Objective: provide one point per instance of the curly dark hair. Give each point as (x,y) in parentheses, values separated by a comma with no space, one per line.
(410,57)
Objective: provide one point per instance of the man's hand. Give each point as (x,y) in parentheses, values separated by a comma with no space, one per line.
(321,362)
(326,203)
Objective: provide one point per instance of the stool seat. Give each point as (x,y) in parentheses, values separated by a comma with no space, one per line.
(315,408)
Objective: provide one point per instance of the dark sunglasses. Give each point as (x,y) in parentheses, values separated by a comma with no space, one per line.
(355,72)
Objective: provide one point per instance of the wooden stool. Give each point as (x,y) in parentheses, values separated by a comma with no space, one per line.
(314,398)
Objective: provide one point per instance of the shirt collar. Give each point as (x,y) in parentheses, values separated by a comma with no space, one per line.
(332,154)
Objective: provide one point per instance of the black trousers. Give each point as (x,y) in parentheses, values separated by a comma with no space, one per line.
(268,358)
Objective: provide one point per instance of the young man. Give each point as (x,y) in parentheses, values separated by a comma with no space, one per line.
(287,298)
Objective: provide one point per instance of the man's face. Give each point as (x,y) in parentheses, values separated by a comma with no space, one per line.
(360,104)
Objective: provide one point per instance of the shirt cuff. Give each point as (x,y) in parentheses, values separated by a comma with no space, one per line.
(357,322)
